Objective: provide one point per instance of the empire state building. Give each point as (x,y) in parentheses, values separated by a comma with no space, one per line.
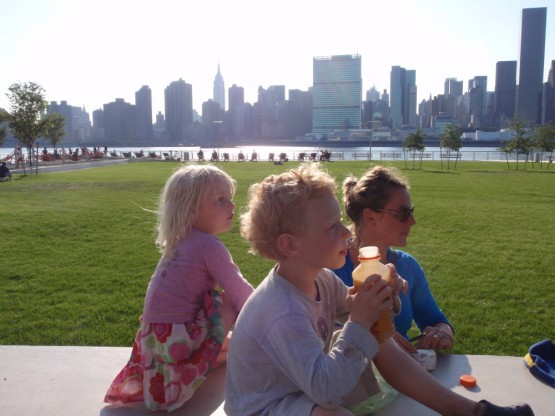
(219,90)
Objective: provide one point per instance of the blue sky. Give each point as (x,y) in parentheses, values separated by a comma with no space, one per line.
(91,52)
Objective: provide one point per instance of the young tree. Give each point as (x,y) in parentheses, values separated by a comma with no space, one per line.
(27,104)
(544,139)
(520,143)
(450,140)
(54,130)
(414,143)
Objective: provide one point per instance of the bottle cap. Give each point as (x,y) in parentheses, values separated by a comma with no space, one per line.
(368,253)
(467,380)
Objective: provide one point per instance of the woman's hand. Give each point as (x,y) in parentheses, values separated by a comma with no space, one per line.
(439,338)
(398,285)
(404,343)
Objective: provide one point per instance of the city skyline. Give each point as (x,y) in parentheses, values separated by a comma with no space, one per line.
(111,52)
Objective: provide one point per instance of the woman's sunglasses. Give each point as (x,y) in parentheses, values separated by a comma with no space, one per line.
(403,213)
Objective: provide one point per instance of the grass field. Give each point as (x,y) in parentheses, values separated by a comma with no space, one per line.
(77,250)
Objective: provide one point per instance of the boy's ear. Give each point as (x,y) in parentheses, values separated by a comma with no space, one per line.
(287,245)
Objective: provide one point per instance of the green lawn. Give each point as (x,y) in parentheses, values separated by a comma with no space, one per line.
(77,250)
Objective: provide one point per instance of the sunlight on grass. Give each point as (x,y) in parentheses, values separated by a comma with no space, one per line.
(78,250)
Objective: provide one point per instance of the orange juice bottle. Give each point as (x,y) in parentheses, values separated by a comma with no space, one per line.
(369,258)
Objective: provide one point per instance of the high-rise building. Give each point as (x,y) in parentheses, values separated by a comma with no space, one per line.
(477,91)
(452,96)
(271,112)
(235,115)
(77,124)
(211,113)
(299,116)
(548,105)
(403,97)
(178,98)
(530,64)
(505,91)
(143,113)
(372,94)
(397,88)
(337,93)
(219,89)
(236,96)
(119,122)
(452,87)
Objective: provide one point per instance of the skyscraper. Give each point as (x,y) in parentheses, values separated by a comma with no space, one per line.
(219,89)
(143,113)
(505,90)
(530,64)
(119,122)
(403,97)
(178,98)
(235,115)
(477,92)
(236,96)
(548,107)
(337,93)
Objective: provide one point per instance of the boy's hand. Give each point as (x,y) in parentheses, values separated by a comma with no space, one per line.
(372,299)
(398,284)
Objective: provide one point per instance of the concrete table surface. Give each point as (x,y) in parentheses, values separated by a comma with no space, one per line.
(60,381)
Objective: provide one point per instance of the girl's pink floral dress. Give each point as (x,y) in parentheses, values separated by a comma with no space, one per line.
(169,361)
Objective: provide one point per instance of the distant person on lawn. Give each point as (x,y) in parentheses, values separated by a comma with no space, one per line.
(5,174)
(18,156)
(193,298)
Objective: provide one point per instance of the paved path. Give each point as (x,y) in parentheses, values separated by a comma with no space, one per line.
(66,166)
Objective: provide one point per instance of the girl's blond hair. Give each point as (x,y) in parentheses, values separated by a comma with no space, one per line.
(180,201)
(277,205)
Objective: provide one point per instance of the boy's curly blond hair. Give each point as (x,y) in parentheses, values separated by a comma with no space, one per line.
(277,205)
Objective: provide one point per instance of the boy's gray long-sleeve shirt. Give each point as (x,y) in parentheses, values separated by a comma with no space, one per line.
(281,352)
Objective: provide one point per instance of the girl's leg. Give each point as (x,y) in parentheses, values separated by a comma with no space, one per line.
(229,315)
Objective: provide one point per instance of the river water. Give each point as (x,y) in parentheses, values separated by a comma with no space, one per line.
(467,153)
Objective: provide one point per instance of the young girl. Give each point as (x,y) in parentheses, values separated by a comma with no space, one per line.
(186,319)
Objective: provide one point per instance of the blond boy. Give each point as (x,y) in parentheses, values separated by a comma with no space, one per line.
(282,360)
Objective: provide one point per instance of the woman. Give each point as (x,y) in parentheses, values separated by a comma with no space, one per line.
(379,207)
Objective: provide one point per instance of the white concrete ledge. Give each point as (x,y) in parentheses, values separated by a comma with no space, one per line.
(72,381)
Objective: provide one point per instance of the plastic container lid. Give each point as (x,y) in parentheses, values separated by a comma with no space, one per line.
(467,380)
(368,253)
